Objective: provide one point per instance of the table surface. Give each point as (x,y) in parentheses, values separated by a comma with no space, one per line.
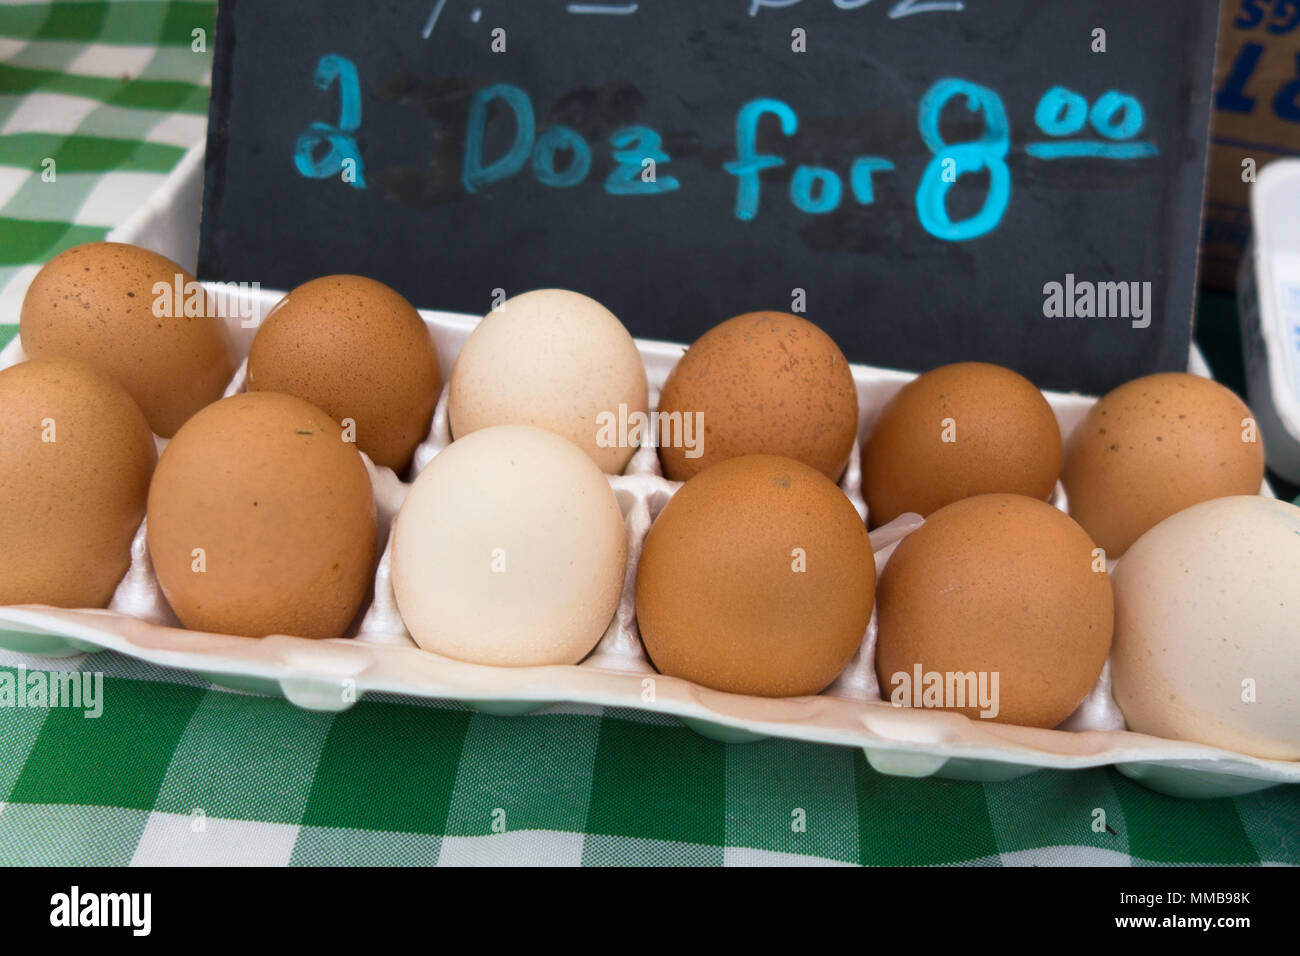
(178,771)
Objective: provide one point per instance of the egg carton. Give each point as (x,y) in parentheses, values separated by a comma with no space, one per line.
(379,656)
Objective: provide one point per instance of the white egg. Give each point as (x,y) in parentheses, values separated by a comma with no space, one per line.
(1207,627)
(557,360)
(510,549)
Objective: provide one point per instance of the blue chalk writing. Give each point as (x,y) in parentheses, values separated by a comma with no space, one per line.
(1061,112)
(633,145)
(951,161)
(474,175)
(907,8)
(342,146)
(815,190)
(561,158)
(602,8)
(749,163)
(433,19)
(860,180)
(561,138)
(1091,149)
(1116,115)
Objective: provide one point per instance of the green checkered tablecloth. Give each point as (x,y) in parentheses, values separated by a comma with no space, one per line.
(177,771)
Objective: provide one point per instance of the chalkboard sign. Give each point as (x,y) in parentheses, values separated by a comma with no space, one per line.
(1007,180)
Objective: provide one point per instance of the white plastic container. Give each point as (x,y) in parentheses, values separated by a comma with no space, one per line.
(379,655)
(1268,299)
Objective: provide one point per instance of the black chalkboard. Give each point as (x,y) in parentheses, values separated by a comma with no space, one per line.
(683,161)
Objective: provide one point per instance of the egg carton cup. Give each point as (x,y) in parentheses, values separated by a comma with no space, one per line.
(379,656)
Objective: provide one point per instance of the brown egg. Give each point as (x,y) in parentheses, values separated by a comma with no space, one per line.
(359,350)
(74,474)
(116,307)
(756,578)
(262,521)
(1155,446)
(1006,589)
(762,383)
(955,432)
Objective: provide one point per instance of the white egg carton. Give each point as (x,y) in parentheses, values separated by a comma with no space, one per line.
(1268,301)
(379,655)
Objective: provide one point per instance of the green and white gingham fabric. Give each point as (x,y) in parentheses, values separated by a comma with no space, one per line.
(97,103)
(175,770)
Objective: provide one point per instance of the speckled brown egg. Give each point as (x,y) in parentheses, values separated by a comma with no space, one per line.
(1001,589)
(1155,446)
(116,307)
(262,521)
(74,473)
(756,578)
(765,383)
(957,431)
(360,351)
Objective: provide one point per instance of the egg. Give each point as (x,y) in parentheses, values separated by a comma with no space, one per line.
(137,317)
(756,578)
(1207,627)
(557,360)
(509,550)
(74,474)
(1155,446)
(998,607)
(357,349)
(959,431)
(261,520)
(766,383)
